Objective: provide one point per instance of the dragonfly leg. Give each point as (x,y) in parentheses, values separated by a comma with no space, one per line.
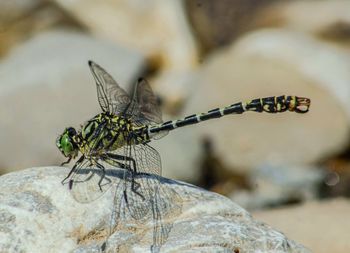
(125,197)
(73,169)
(123,158)
(103,174)
(133,189)
(134,185)
(69,159)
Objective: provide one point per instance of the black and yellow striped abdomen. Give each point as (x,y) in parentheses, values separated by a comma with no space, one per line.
(268,104)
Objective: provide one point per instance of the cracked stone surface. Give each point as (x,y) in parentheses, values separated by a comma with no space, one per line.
(39,214)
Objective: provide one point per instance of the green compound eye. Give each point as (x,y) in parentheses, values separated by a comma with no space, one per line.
(66,144)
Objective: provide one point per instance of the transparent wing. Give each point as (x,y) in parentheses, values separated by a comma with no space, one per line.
(143,157)
(137,193)
(111,97)
(166,206)
(157,208)
(89,182)
(144,108)
(145,197)
(149,111)
(147,159)
(159,135)
(118,204)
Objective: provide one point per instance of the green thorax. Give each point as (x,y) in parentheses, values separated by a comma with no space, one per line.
(107,132)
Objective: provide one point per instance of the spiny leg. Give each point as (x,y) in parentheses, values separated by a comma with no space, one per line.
(69,159)
(100,166)
(73,169)
(114,159)
(134,185)
(117,158)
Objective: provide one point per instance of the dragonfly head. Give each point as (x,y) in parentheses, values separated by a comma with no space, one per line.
(66,144)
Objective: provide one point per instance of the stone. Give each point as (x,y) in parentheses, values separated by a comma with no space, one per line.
(158,29)
(330,21)
(272,63)
(23,19)
(322,226)
(47,86)
(280,185)
(38,214)
(218,23)
(12,10)
(328,65)
(174,90)
(172,151)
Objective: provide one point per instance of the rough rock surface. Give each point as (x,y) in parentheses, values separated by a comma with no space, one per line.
(323,226)
(46,85)
(38,214)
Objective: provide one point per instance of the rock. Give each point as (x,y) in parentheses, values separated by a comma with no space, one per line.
(156,28)
(278,185)
(337,177)
(47,86)
(217,23)
(179,147)
(322,226)
(328,65)
(23,19)
(330,19)
(272,63)
(12,10)
(174,90)
(39,214)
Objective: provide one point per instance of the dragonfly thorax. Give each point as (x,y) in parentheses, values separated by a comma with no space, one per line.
(107,132)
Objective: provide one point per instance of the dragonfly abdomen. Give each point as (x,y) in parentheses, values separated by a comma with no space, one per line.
(268,104)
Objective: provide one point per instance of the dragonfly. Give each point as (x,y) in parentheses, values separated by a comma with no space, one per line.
(118,139)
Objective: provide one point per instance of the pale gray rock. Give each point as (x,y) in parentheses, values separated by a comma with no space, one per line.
(327,65)
(38,214)
(159,29)
(307,222)
(180,147)
(272,63)
(46,85)
(276,185)
(23,19)
(218,23)
(327,15)
(12,10)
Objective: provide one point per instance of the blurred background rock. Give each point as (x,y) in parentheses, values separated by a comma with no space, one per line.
(197,55)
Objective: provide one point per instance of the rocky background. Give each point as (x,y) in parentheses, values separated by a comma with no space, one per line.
(197,55)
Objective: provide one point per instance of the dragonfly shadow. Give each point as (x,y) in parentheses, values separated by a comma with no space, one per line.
(138,200)
(158,207)
(120,174)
